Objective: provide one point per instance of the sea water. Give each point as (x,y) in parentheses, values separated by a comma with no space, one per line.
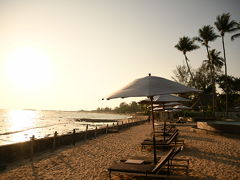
(21,125)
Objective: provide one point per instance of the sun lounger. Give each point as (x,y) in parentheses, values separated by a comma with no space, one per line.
(167,126)
(168,132)
(173,139)
(159,130)
(146,167)
(175,133)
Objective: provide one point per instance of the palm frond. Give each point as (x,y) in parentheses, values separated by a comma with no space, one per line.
(206,34)
(236,28)
(235,36)
(224,24)
(185,44)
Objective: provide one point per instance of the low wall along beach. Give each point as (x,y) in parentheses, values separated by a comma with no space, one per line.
(24,150)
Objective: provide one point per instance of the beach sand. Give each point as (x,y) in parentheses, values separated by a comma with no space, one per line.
(211,156)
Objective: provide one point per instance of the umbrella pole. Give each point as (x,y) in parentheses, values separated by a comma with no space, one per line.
(164,125)
(154,140)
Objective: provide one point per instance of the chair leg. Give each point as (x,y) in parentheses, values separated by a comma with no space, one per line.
(187,167)
(168,169)
(109,175)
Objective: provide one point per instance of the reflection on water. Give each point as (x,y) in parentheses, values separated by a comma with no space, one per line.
(22,119)
(21,125)
(19,120)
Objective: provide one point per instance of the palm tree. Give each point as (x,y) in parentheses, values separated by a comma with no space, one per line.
(217,61)
(216,65)
(237,28)
(206,35)
(225,25)
(185,44)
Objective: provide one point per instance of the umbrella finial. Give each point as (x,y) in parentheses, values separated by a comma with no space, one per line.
(149,74)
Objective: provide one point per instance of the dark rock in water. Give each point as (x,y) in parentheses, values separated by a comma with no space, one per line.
(96,120)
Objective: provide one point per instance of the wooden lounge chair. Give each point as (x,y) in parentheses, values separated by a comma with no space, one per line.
(168,132)
(173,139)
(161,127)
(145,167)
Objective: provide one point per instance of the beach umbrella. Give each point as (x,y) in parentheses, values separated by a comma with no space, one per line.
(151,86)
(171,104)
(165,100)
(181,107)
(160,108)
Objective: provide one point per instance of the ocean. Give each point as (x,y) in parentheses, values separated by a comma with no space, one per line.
(20,125)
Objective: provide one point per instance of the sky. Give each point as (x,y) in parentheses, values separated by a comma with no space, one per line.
(68,55)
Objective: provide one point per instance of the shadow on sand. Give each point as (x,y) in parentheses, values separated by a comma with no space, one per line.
(196,138)
(216,157)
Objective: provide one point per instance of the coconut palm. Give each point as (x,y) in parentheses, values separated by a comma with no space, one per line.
(237,28)
(185,44)
(206,35)
(216,65)
(225,25)
(217,61)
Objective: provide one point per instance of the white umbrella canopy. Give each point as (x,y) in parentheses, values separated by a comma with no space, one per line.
(181,107)
(169,98)
(151,86)
(160,108)
(165,99)
(172,104)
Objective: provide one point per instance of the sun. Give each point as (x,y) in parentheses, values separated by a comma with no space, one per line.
(28,69)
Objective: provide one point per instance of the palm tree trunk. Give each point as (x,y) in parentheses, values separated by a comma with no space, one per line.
(214,88)
(213,82)
(226,80)
(186,59)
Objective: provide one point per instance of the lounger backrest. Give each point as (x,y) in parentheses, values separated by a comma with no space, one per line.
(164,159)
(174,132)
(171,128)
(174,135)
(176,151)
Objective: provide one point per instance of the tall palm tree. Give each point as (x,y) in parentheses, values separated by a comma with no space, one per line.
(216,65)
(225,25)
(206,35)
(237,28)
(217,61)
(185,44)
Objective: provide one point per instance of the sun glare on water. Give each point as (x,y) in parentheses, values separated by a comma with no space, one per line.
(28,69)
(19,120)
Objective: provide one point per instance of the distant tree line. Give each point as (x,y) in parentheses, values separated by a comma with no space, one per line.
(124,108)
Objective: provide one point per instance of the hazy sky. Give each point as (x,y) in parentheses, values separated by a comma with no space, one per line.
(69,54)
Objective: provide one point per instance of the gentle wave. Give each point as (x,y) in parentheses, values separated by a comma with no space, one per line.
(13,132)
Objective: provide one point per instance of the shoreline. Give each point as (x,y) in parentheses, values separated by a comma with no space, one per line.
(25,150)
(50,122)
